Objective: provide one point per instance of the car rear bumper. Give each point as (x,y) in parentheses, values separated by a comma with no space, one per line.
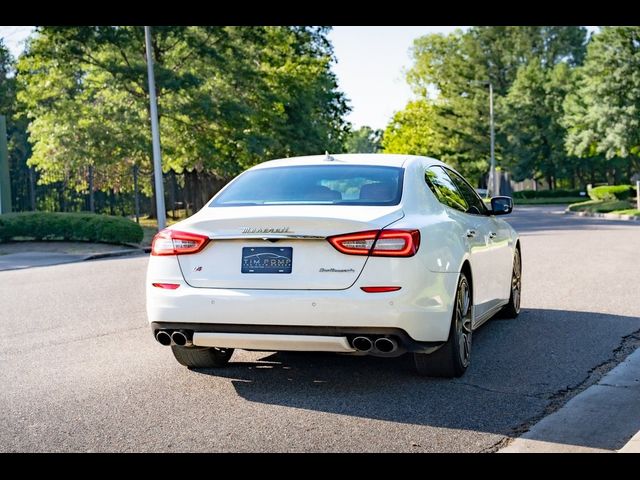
(422,312)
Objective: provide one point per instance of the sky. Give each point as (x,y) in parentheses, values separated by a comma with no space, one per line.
(371,65)
(370,69)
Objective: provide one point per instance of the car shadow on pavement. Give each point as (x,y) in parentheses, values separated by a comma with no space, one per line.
(518,368)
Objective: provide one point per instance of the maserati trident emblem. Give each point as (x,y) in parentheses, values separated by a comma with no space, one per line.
(266,230)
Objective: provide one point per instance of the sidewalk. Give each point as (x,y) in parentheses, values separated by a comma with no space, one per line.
(20,255)
(603,418)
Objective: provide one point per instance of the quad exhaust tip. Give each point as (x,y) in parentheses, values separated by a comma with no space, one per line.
(180,338)
(386,345)
(362,344)
(163,338)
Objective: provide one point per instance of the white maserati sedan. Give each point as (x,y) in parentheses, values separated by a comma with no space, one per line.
(366,254)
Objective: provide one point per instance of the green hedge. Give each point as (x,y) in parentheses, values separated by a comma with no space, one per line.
(559,192)
(87,227)
(612,192)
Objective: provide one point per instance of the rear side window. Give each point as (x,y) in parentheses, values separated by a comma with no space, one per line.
(314,185)
(444,189)
(475,203)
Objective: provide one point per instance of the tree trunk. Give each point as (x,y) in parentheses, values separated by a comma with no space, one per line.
(92,202)
(172,193)
(32,189)
(154,212)
(136,194)
(112,202)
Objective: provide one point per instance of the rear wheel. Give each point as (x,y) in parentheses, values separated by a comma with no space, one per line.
(512,309)
(202,357)
(452,359)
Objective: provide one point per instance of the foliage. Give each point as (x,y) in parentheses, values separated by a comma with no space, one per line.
(19,149)
(603,114)
(411,131)
(364,140)
(611,192)
(69,226)
(228,98)
(450,77)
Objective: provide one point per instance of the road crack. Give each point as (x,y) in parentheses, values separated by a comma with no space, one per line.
(628,345)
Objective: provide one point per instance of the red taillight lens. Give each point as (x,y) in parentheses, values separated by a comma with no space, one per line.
(173,242)
(355,243)
(377,243)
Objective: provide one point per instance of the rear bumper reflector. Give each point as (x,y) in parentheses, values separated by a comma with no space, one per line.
(168,286)
(379,289)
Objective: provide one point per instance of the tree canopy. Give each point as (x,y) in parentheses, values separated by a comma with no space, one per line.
(228,98)
(450,78)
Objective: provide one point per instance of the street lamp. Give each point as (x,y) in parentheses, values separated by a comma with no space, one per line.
(155,134)
(494,185)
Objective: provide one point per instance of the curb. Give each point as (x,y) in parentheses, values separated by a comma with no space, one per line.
(632,446)
(117,253)
(605,216)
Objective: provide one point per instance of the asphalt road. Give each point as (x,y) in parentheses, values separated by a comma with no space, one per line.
(79,370)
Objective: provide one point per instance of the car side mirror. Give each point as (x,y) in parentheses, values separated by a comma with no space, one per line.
(501,205)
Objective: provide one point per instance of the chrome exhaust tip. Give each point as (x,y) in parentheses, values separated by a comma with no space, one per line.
(180,338)
(163,338)
(362,344)
(386,345)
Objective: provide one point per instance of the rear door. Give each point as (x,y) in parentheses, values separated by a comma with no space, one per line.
(476,230)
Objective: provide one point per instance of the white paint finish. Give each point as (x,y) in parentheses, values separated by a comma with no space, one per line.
(308,297)
(270,342)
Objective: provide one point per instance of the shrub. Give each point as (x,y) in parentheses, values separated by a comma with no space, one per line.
(84,227)
(557,193)
(612,192)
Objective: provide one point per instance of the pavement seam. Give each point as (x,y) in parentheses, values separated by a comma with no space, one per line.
(503,392)
(65,342)
(628,344)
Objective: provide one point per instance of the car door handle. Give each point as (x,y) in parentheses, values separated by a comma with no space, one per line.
(471,233)
(493,234)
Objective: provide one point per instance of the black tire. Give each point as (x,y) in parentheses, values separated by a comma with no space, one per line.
(512,309)
(453,358)
(202,357)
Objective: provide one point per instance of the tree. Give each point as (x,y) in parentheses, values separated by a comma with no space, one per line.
(364,140)
(449,72)
(603,115)
(19,150)
(532,116)
(228,98)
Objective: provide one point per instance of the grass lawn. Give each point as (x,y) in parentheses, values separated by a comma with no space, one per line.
(600,206)
(630,211)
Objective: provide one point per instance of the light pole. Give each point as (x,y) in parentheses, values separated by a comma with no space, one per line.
(494,185)
(155,134)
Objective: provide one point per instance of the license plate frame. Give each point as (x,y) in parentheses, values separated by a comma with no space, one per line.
(274,260)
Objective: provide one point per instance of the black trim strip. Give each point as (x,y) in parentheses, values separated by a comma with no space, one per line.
(406,341)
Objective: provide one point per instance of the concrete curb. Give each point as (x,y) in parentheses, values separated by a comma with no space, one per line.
(633,446)
(117,253)
(599,419)
(606,216)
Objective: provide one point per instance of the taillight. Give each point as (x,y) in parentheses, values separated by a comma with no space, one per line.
(173,242)
(378,243)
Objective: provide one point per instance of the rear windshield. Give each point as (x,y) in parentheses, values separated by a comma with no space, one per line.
(314,185)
